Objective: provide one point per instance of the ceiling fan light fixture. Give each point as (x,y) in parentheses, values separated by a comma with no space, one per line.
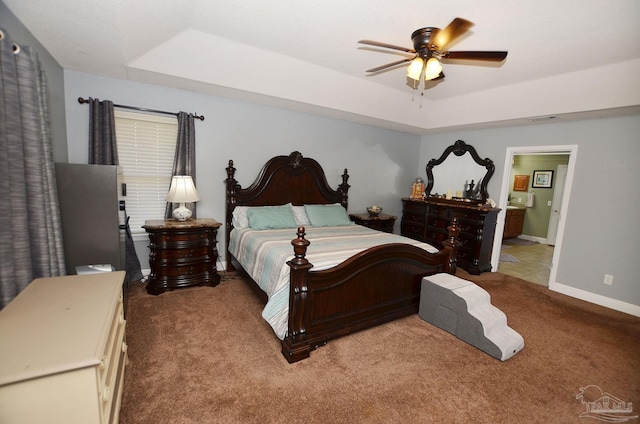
(415,69)
(433,69)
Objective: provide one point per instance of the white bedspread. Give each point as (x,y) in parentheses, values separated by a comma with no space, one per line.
(264,255)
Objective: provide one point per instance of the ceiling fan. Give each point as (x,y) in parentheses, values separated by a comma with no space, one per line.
(429,48)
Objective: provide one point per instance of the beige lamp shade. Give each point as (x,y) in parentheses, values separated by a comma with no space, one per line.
(182,191)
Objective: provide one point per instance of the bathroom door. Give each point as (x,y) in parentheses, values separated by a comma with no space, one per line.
(556,204)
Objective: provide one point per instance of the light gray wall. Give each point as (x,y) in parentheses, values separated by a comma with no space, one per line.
(55,79)
(381,163)
(601,234)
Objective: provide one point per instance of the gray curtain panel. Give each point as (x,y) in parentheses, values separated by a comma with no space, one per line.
(103,150)
(31,237)
(184,162)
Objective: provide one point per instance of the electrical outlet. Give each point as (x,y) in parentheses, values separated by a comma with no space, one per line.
(608,279)
(549,203)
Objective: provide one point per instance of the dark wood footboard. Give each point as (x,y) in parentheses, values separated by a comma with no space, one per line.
(376,286)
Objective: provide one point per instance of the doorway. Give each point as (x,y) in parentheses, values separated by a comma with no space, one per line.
(556,204)
(549,242)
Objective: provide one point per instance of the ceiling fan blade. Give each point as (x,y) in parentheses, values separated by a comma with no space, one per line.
(495,56)
(389,65)
(446,36)
(386,46)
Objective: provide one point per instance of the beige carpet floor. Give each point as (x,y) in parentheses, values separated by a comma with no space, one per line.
(204,355)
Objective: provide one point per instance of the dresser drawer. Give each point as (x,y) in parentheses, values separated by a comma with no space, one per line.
(414,207)
(413,230)
(109,391)
(437,236)
(467,214)
(115,335)
(414,217)
(440,211)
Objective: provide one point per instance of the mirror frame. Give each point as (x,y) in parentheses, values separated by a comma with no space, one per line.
(459,148)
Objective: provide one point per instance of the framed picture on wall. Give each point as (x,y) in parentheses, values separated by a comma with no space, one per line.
(542,179)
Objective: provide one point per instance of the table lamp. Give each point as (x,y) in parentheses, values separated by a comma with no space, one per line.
(182,191)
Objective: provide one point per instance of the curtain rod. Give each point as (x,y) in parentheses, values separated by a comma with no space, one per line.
(141,109)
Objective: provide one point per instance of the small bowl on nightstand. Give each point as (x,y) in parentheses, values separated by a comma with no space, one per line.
(374,211)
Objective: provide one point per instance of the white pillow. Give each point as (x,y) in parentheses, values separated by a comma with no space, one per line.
(239,217)
(300,214)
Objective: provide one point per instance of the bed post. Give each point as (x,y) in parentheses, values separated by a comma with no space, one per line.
(295,346)
(452,244)
(232,186)
(344,189)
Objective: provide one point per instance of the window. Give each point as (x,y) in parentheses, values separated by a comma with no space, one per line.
(146,149)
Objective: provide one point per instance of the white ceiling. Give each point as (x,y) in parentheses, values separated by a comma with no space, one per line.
(572,58)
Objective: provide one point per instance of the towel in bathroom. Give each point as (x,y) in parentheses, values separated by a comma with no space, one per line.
(529,202)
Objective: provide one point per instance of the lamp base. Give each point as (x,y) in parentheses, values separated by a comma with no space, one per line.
(181,213)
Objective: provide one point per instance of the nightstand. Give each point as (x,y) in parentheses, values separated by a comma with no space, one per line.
(381,222)
(182,253)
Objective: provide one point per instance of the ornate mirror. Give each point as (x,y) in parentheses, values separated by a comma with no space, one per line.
(463,175)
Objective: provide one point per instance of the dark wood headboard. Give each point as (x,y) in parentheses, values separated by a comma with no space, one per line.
(284,179)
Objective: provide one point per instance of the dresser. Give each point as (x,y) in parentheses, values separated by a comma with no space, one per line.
(63,351)
(382,222)
(427,220)
(182,253)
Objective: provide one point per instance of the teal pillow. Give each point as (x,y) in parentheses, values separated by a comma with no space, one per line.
(271,217)
(327,215)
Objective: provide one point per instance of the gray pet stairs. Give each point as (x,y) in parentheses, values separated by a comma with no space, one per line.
(464,309)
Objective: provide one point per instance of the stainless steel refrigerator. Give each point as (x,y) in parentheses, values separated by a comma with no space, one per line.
(91,215)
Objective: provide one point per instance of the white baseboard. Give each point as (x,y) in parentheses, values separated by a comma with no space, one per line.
(541,240)
(607,302)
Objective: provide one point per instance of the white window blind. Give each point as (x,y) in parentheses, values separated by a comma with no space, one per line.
(146,149)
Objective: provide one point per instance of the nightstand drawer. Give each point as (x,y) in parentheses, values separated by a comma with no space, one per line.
(183,269)
(180,240)
(184,254)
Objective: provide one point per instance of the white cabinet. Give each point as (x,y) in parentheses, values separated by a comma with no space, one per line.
(63,351)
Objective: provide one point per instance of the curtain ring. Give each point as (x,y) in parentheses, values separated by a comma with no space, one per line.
(16,48)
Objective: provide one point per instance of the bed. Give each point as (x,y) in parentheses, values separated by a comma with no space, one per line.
(375,285)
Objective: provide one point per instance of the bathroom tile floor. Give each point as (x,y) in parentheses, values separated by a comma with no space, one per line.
(534,262)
